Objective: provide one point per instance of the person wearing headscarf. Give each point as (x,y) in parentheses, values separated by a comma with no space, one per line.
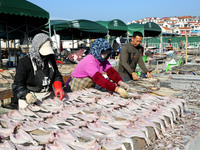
(36,73)
(88,71)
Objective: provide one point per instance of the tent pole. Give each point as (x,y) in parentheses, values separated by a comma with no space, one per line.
(27,38)
(186,44)
(72,41)
(8,45)
(161,43)
(57,44)
(15,53)
(49,28)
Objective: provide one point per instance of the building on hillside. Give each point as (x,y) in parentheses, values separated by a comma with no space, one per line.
(174,19)
(185,19)
(194,25)
(179,25)
(196,18)
(184,30)
(166,29)
(168,25)
(166,19)
(155,19)
(160,23)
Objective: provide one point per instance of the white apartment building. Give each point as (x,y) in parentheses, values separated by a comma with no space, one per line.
(180,25)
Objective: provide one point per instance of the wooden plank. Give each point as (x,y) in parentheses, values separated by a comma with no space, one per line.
(6,94)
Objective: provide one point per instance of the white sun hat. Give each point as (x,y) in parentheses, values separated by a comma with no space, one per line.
(46,49)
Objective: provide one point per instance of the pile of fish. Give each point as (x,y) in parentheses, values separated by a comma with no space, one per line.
(187,69)
(6,78)
(186,129)
(89,120)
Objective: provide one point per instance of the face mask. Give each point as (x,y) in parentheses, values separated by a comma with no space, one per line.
(104,56)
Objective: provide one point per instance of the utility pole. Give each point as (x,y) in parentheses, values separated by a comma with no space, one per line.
(186,44)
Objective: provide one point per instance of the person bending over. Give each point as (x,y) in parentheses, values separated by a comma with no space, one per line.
(88,71)
(36,73)
(131,55)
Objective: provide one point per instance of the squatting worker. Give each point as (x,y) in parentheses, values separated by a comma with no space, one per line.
(36,73)
(130,56)
(88,71)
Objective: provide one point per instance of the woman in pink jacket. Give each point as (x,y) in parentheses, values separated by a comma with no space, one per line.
(88,71)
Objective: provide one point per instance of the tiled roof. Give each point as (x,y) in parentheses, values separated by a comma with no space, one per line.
(166,28)
(164,18)
(192,22)
(184,17)
(160,22)
(184,28)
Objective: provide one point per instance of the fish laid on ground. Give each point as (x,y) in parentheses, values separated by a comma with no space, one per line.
(7,145)
(90,119)
(22,137)
(21,147)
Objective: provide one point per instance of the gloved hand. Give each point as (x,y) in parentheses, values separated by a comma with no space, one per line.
(58,91)
(122,92)
(31,98)
(124,86)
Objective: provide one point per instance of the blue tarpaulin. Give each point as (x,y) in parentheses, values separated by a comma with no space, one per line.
(195,31)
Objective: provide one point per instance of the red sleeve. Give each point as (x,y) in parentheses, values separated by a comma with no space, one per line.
(114,75)
(104,83)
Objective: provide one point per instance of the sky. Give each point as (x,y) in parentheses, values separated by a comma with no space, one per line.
(125,10)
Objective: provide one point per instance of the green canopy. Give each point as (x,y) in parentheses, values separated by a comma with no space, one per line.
(19,16)
(150,29)
(20,19)
(135,27)
(22,8)
(82,25)
(79,28)
(115,27)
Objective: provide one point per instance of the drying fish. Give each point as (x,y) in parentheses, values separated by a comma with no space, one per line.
(66,136)
(16,115)
(21,147)
(90,145)
(100,127)
(130,133)
(91,119)
(109,144)
(21,137)
(5,132)
(82,135)
(28,112)
(7,145)
(96,134)
(36,108)
(44,139)
(57,145)
(88,117)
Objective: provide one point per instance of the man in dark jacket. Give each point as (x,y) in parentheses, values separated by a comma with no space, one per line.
(115,48)
(36,73)
(131,55)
